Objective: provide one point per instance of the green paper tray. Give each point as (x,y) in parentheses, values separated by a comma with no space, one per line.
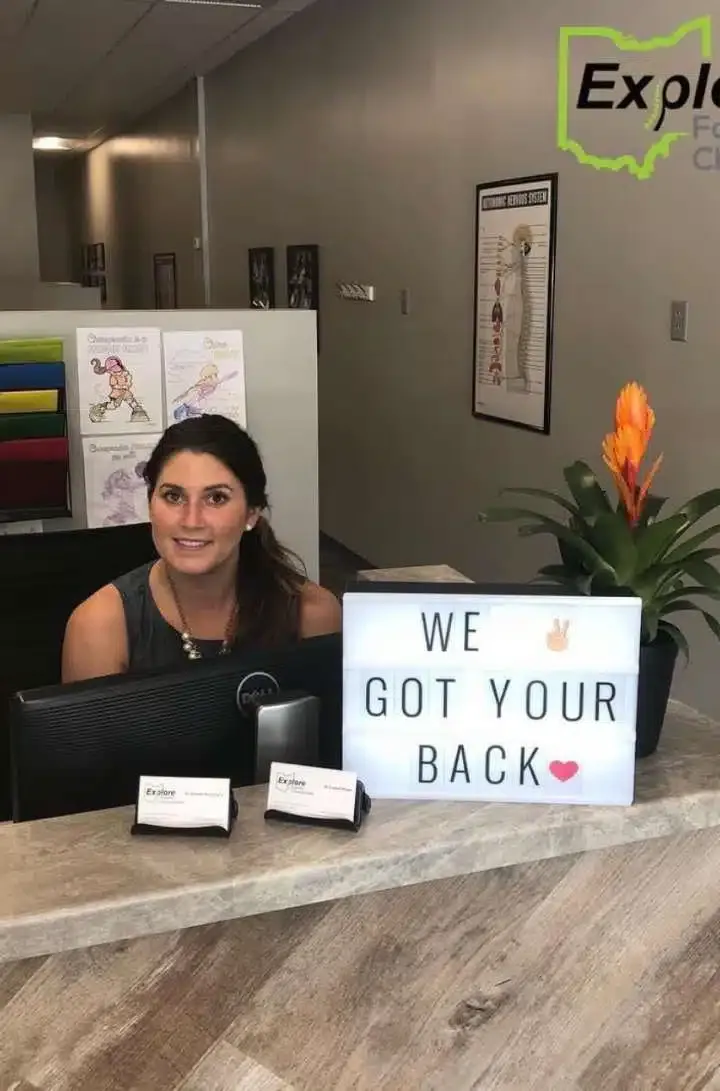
(32,350)
(31,425)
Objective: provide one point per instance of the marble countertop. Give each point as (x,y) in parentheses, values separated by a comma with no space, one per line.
(82,880)
(423,573)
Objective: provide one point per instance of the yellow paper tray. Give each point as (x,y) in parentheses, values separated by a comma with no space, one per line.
(29,401)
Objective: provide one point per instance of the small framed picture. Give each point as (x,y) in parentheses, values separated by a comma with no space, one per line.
(165,276)
(261,272)
(303,281)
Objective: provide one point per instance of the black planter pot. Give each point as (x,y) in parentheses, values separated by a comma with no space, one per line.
(657,665)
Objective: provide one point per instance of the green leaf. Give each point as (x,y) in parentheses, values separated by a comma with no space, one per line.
(555,571)
(545,494)
(507,515)
(650,624)
(652,541)
(681,592)
(656,580)
(704,573)
(679,605)
(590,497)
(563,577)
(612,538)
(699,555)
(690,544)
(700,505)
(545,525)
(712,622)
(679,637)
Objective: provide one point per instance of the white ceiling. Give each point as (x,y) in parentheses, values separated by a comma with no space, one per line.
(84,68)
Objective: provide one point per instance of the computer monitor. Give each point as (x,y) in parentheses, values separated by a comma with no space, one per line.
(82,747)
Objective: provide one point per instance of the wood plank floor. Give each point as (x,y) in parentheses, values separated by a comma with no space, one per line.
(598,972)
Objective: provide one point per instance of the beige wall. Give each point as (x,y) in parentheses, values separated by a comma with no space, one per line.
(142,196)
(364,127)
(18,219)
(59,197)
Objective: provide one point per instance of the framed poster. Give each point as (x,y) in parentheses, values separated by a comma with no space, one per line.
(165,274)
(515,234)
(261,270)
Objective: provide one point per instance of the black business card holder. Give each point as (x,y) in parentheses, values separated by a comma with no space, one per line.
(363,805)
(189,831)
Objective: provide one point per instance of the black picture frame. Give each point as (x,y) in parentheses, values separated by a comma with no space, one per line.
(261,277)
(165,281)
(514,300)
(303,277)
(303,280)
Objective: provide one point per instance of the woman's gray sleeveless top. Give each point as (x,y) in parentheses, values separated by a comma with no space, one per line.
(152,642)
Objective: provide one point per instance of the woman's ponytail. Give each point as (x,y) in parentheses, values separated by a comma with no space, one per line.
(269,588)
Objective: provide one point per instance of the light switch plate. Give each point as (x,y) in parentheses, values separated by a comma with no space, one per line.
(678,320)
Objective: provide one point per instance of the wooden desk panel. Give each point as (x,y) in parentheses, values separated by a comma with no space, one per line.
(587,973)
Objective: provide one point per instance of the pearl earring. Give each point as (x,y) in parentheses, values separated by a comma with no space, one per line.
(249,526)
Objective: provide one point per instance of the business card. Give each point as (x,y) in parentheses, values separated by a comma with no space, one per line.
(310,792)
(184,802)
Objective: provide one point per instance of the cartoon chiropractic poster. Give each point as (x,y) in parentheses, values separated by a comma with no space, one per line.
(120,381)
(115,489)
(204,373)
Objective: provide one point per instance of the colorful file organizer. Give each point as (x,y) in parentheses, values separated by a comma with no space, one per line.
(34,456)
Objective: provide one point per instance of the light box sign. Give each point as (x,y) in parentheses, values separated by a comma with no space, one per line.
(517,698)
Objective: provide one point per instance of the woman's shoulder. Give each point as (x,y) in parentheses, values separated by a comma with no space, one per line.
(320,610)
(95,640)
(108,600)
(104,605)
(110,603)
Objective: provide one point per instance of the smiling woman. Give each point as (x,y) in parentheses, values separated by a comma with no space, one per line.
(223,581)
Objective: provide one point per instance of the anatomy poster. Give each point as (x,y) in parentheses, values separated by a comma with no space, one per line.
(204,373)
(514,281)
(115,490)
(120,381)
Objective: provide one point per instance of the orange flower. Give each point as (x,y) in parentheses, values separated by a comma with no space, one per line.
(625,448)
(632,410)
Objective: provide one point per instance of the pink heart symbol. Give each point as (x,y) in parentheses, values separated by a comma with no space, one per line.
(564,770)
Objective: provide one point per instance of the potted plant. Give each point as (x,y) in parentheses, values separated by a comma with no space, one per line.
(628,547)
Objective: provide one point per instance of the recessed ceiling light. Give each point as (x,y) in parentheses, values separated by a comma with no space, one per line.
(52,144)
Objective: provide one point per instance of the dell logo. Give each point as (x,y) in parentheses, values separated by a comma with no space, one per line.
(253,688)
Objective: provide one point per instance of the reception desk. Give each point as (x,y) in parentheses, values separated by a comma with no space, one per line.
(445,946)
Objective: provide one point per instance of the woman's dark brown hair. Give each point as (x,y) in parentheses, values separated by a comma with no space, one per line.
(270,577)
